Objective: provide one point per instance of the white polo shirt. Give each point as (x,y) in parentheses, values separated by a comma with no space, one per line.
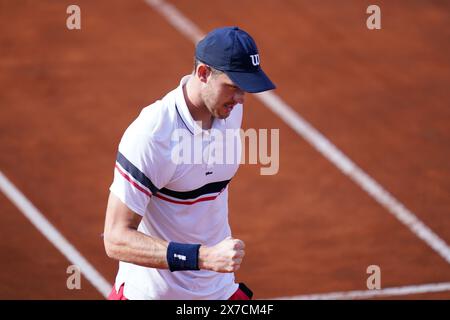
(179,201)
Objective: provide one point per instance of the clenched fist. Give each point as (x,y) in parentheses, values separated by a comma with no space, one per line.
(226,256)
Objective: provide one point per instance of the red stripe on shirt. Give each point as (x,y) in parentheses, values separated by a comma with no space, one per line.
(132,182)
(186,202)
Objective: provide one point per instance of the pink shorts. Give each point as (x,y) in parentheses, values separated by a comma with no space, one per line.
(242,293)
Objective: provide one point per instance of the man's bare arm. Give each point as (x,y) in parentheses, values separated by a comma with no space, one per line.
(124,242)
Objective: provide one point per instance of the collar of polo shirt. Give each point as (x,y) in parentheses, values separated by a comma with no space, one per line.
(186,116)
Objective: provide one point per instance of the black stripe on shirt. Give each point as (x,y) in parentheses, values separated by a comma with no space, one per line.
(136,173)
(209,188)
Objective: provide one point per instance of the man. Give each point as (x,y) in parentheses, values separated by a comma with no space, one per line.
(167,221)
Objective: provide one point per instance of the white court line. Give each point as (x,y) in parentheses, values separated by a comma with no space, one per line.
(319,142)
(53,235)
(366,294)
(349,168)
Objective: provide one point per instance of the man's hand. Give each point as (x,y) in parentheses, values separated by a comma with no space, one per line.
(226,256)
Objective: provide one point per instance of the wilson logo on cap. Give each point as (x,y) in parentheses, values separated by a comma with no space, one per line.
(255,59)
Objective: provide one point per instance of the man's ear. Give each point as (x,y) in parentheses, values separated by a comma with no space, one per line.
(203,72)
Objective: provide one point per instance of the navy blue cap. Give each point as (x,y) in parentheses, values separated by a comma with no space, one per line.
(233,51)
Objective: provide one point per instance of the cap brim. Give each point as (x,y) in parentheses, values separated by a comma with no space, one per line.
(251,82)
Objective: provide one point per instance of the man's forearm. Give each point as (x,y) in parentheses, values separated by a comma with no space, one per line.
(135,247)
(132,246)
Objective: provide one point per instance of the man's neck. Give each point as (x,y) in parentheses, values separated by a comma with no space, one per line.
(196,106)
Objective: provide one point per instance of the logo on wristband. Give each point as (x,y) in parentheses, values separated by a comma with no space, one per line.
(179,256)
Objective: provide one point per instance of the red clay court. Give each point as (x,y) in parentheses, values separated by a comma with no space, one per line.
(363,117)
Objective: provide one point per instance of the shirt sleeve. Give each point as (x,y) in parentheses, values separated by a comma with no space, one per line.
(142,167)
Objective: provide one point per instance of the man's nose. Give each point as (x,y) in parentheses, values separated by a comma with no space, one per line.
(239,96)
